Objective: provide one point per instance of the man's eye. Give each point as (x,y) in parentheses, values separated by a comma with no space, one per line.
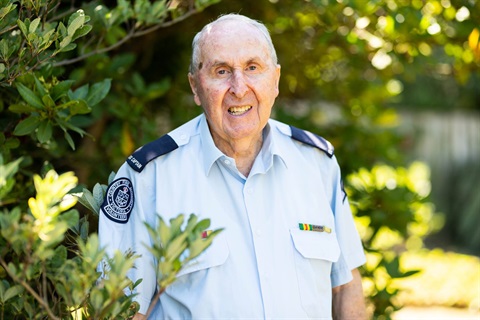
(252,68)
(222,72)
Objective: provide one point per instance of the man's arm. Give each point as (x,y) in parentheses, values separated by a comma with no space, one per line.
(348,301)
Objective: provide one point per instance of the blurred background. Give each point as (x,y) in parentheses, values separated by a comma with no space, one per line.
(394,85)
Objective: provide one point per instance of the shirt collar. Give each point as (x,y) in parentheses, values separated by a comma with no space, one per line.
(273,140)
(210,151)
(272,134)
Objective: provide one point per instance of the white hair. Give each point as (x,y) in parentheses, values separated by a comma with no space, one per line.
(195,61)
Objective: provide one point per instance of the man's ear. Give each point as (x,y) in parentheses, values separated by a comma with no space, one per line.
(193,86)
(278,78)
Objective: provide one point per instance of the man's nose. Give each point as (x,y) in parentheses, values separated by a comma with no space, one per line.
(238,84)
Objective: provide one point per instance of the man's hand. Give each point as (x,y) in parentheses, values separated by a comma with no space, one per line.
(348,301)
(139,316)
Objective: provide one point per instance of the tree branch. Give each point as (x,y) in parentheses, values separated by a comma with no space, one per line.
(131,34)
(30,290)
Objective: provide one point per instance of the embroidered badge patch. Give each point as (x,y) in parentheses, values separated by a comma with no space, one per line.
(118,202)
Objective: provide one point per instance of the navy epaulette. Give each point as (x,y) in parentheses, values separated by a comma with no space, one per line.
(150,151)
(312,140)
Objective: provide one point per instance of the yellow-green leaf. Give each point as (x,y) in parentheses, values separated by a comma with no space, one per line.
(33,25)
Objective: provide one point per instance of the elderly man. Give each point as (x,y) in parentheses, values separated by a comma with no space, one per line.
(289,248)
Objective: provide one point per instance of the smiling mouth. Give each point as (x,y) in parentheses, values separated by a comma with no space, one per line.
(237,111)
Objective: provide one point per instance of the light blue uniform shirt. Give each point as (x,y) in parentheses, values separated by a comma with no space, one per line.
(261,265)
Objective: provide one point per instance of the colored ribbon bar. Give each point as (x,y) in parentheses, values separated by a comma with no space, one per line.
(312,227)
(206,233)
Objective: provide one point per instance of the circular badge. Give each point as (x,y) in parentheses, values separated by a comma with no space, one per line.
(118,202)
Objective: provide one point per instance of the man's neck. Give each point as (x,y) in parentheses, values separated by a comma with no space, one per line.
(244,151)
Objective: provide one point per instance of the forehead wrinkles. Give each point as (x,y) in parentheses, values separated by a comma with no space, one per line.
(217,38)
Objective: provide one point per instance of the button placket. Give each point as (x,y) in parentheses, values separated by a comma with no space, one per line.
(262,252)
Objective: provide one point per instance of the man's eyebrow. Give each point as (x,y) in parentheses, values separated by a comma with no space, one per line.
(253,60)
(219,63)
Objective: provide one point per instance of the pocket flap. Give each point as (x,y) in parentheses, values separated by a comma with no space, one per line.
(216,254)
(316,245)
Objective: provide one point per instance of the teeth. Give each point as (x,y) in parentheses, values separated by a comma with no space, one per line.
(239,110)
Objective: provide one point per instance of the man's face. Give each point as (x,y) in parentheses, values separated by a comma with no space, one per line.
(237,82)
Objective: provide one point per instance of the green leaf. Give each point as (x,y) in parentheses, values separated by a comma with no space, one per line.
(164,234)
(21,108)
(71,217)
(84,229)
(67,125)
(202,225)
(59,257)
(98,194)
(47,39)
(44,132)
(75,25)
(34,25)
(68,104)
(80,107)
(98,92)
(12,143)
(6,10)
(62,30)
(40,87)
(10,168)
(64,43)
(81,32)
(48,101)
(29,96)
(61,89)
(12,292)
(4,49)
(75,15)
(23,27)
(111,177)
(87,200)
(176,247)
(69,139)
(26,126)
(79,93)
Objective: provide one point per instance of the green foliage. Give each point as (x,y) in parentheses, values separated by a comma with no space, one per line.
(65,74)
(38,277)
(51,105)
(175,245)
(48,255)
(393,216)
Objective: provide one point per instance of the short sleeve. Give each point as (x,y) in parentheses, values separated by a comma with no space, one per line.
(122,227)
(352,253)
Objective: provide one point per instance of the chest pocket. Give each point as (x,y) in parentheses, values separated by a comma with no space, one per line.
(314,254)
(215,255)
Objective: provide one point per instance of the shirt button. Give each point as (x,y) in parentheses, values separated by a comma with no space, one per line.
(250,190)
(183,136)
(227,162)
